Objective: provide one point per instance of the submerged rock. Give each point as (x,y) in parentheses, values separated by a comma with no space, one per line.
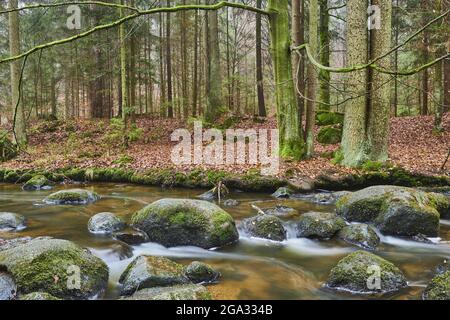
(422,238)
(11,221)
(321,225)
(199,272)
(131,237)
(72,196)
(8,288)
(280,211)
(37,182)
(324,198)
(443,267)
(395,210)
(180,292)
(105,222)
(149,271)
(361,235)
(364,272)
(177,222)
(230,203)
(47,265)
(282,193)
(438,288)
(38,296)
(265,226)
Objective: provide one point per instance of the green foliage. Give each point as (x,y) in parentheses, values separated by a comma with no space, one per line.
(338,157)
(7,149)
(123,160)
(375,166)
(116,131)
(329,118)
(329,135)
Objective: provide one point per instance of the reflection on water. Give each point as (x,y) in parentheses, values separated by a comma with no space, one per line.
(251,269)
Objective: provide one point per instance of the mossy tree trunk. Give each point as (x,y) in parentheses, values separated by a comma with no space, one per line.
(324,48)
(259,64)
(354,132)
(20,135)
(379,110)
(298,38)
(123,75)
(291,141)
(169,65)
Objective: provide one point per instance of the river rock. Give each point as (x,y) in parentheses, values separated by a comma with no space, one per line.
(324,198)
(230,203)
(321,225)
(179,292)
(280,211)
(150,271)
(395,210)
(11,221)
(105,223)
(265,226)
(282,193)
(357,273)
(178,222)
(438,288)
(37,182)
(131,237)
(361,235)
(199,272)
(8,288)
(47,265)
(38,296)
(443,267)
(72,196)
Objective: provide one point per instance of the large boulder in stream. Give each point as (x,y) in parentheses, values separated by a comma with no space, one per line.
(53,266)
(150,271)
(364,272)
(105,223)
(395,210)
(178,222)
(265,226)
(199,272)
(8,288)
(361,235)
(72,196)
(11,221)
(438,288)
(37,182)
(178,292)
(320,225)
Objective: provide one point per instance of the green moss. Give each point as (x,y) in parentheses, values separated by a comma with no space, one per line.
(38,296)
(329,135)
(37,182)
(438,288)
(11,176)
(72,196)
(329,118)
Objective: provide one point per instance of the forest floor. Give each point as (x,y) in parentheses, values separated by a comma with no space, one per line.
(95,143)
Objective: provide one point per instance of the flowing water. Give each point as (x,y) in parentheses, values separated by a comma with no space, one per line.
(251,269)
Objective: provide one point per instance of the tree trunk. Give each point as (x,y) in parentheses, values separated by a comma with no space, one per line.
(379,111)
(425,58)
(259,65)
(123,74)
(354,132)
(195,75)
(291,141)
(169,65)
(324,48)
(20,135)
(298,38)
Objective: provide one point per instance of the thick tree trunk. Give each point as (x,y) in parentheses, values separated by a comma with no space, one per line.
(298,38)
(291,141)
(354,132)
(169,65)
(379,111)
(20,135)
(425,58)
(259,64)
(195,79)
(324,49)
(123,76)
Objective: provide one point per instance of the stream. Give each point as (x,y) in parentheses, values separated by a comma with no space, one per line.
(251,269)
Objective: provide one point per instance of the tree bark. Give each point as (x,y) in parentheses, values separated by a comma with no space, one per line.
(169,66)
(298,38)
(324,48)
(259,64)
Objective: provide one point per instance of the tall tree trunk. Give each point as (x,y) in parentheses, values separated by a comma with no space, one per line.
(259,64)
(195,76)
(96,85)
(169,66)
(396,32)
(312,77)
(184,64)
(291,141)
(20,135)
(53,97)
(379,111)
(298,38)
(162,79)
(354,132)
(446,89)
(123,78)
(324,48)
(214,96)
(425,58)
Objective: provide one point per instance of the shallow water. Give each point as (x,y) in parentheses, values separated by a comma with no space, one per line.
(251,269)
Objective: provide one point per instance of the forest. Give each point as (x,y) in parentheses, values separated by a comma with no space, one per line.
(306,140)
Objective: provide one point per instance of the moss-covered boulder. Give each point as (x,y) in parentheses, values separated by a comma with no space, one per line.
(265,226)
(131,237)
(105,223)
(438,288)
(11,221)
(37,182)
(8,288)
(324,198)
(72,196)
(320,225)
(326,118)
(282,193)
(361,235)
(38,296)
(329,135)
(179,292)
(395,210)
(52,265)
(150,271)
(199,272)
(364,272)
(178,222)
